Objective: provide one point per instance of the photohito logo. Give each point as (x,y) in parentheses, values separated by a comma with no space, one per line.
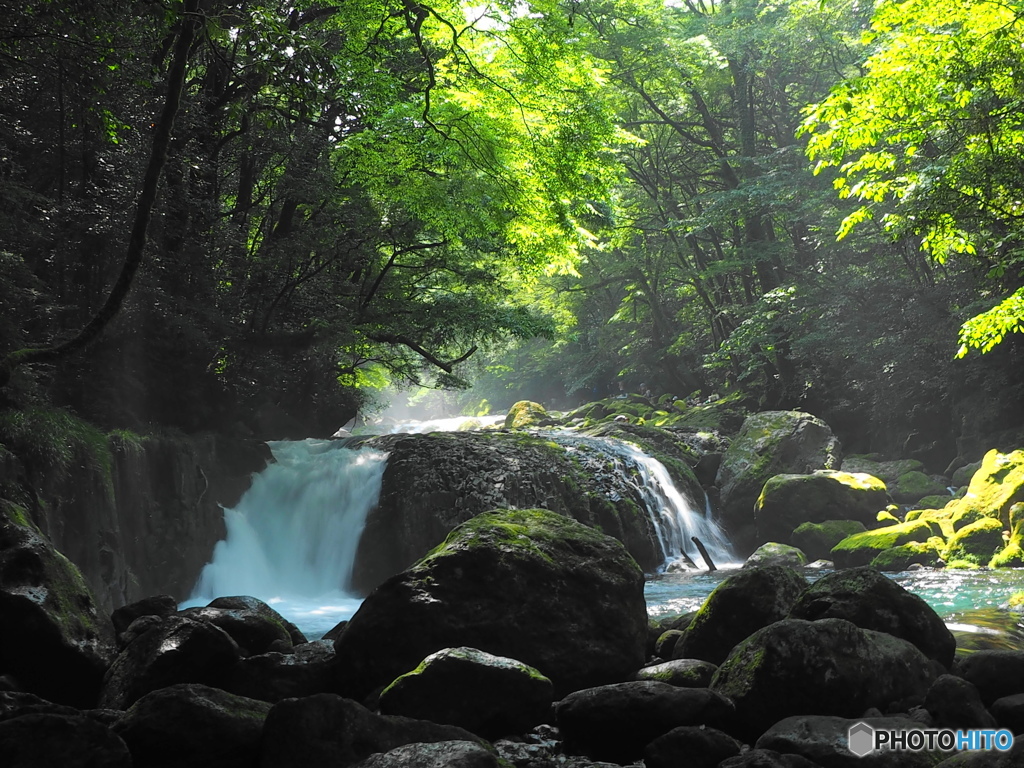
(863,739)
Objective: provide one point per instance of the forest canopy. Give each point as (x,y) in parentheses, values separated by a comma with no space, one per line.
(540,199)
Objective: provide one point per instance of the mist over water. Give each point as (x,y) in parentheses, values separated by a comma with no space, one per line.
(292,539)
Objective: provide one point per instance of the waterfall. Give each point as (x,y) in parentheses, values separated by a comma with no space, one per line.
(673,516)
(292,538)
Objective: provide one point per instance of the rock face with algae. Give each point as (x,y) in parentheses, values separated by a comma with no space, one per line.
(770,443)
(52,640)
(527,584)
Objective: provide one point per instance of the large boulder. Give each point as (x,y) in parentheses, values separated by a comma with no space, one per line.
(692,746)
(774,553)
(193,725)
(174,650)
(682,673)
(824,739)
(787,501)
(70,741)
(255,630)
(994,673)
(861,548)
(275,676)
(527,584)
(995,487)
(52,640)
(872,601)
(489,695)
(458,475)
(769,443)
(527,413)
(817,539)
(616,722)
(826,667)
(328,730)
(976,543)
(743,603)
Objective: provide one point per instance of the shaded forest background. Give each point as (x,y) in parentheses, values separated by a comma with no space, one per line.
(542,200)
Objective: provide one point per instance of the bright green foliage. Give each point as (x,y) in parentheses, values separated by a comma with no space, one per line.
(926,139)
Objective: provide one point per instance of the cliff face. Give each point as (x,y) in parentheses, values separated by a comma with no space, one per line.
(143,522)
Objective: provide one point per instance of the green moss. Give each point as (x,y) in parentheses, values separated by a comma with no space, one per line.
(976,543)
(1016,599)
(862,548)
(961,565)
(914,485)
(525,414)
(901,557)
(995,487)
(936,501)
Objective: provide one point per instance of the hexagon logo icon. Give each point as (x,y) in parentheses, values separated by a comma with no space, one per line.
(861,739)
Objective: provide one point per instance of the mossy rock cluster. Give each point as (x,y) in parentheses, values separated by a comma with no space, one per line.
(817,539)
(526,414)
(861,548)
(787,501)
(724,415)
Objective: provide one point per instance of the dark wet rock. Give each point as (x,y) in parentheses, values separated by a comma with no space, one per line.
(683,673)
(1009,713)
(458,475)
(767,758)
(52,640)
(873,601)
(954,703)
(160,606)
(491,696)
(994,673)
(788,501)
(193,725)
(137,628)
(773,553)
(616,722)
(817,539)
(769,444)
(527,584)
(441,754)
(1012,758)
(260,608)
(334,632)
(254,632)
(275,676)
(690,745)
(828,667)
(68,741)
(328,730)
(667,643)
(825,741)
(178,650)
(743,603)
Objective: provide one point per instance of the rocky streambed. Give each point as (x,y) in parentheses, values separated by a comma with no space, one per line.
(522,640)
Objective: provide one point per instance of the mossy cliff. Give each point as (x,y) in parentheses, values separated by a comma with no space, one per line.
(139,515)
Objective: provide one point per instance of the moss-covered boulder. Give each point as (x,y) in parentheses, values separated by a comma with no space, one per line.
(888,471)
(769,444)
(873,601)
(774,553)
(527,584)
(976,543)
(817,539)
(995,487)
(492,696)
(902,557)
(52,641)
(193,725)
(458,475)
(1012,555)
(936,501)
(861,548)
(525,414)
(828,667)
(788,501)
(964,474)
(914,485)
(682,673)
(743,603)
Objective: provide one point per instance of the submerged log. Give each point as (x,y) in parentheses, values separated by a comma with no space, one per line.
(704,553)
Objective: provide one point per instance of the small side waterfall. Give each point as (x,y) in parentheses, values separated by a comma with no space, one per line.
(673,516)
(292,538)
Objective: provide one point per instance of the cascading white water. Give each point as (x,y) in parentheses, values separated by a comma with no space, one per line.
(673,516)
(292,539)
(453,424)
